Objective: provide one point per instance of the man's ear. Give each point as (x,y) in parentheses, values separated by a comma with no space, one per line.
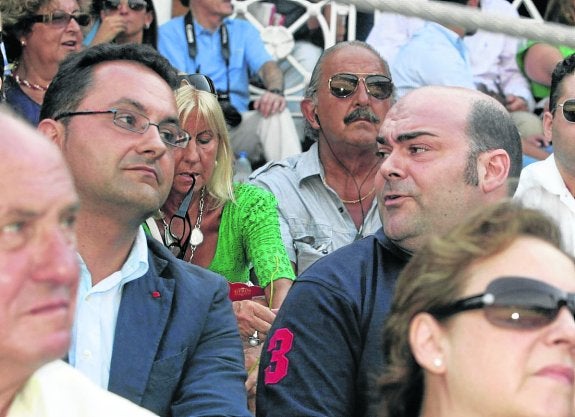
(427,341)
(493,169)
(53,130)
(308,109)
(548,124)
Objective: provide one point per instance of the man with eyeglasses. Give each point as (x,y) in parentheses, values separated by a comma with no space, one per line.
(326,195)
(153,329)
(444,151)
(549,185)
(231,51)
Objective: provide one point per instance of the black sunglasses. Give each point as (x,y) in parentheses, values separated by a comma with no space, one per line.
(135,5)
(60,18)
(344,84)
(514,302)
(568,107)
(198,81)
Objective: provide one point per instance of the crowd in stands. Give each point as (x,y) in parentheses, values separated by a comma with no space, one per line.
(410,252)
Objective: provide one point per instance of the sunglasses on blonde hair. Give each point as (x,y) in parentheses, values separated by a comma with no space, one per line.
(198,81)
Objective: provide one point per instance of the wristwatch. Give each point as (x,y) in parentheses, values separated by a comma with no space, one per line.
(276,91)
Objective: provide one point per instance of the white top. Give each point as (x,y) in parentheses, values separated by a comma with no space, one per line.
(97,312)
(58,390)
(492,55)
(541,187)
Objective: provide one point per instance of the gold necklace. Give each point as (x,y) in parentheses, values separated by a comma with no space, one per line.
(360,199)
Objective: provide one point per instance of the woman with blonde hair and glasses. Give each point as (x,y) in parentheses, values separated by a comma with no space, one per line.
(482,322)
(225,227)
(38,34)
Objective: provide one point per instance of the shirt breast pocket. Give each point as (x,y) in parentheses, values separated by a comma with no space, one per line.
(311,241)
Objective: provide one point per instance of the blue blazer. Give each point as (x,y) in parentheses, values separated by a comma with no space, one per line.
(177,349)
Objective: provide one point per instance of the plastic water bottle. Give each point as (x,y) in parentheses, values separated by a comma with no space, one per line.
(242,167)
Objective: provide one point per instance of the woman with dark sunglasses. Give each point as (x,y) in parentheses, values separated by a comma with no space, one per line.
(123,21)
(227,227)
(38,35)
(482,322)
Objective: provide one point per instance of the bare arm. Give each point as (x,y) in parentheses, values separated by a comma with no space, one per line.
(110,27)
(277,291)
(272,77)
(540,61)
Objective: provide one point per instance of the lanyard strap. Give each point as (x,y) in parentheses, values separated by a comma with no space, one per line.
(191,38)
(190,29)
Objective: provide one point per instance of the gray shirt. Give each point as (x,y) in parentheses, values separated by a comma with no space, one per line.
(313,219)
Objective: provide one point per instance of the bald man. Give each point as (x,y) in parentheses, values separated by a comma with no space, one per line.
(38,283)
(444,151)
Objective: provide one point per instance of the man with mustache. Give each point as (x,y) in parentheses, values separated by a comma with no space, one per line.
(326,195)
(444,152)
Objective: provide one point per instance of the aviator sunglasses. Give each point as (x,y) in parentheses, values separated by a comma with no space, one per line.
(514,302)
(568,107)
(59,18)
(344,84)
(135,5)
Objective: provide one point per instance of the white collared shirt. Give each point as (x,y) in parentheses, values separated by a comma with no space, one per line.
(97,312)
(542,187)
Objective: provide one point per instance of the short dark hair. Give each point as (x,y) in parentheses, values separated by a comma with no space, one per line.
(75,74)
(564,68)
(489,127)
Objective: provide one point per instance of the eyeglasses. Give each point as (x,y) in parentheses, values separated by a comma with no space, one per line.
(170,133)
(344,84)
(514,302)
(198,81)
(59,18)
(135,5)
(175,242)
(568,107)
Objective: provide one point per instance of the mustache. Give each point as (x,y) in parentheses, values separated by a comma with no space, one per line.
(361,113)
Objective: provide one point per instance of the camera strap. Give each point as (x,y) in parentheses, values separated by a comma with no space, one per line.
(193,45)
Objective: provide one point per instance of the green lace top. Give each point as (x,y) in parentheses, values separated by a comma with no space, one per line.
(250,235)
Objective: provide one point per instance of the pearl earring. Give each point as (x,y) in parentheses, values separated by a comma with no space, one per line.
(23,43)
(437,362)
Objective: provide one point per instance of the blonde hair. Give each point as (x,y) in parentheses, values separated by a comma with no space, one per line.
(206,105)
